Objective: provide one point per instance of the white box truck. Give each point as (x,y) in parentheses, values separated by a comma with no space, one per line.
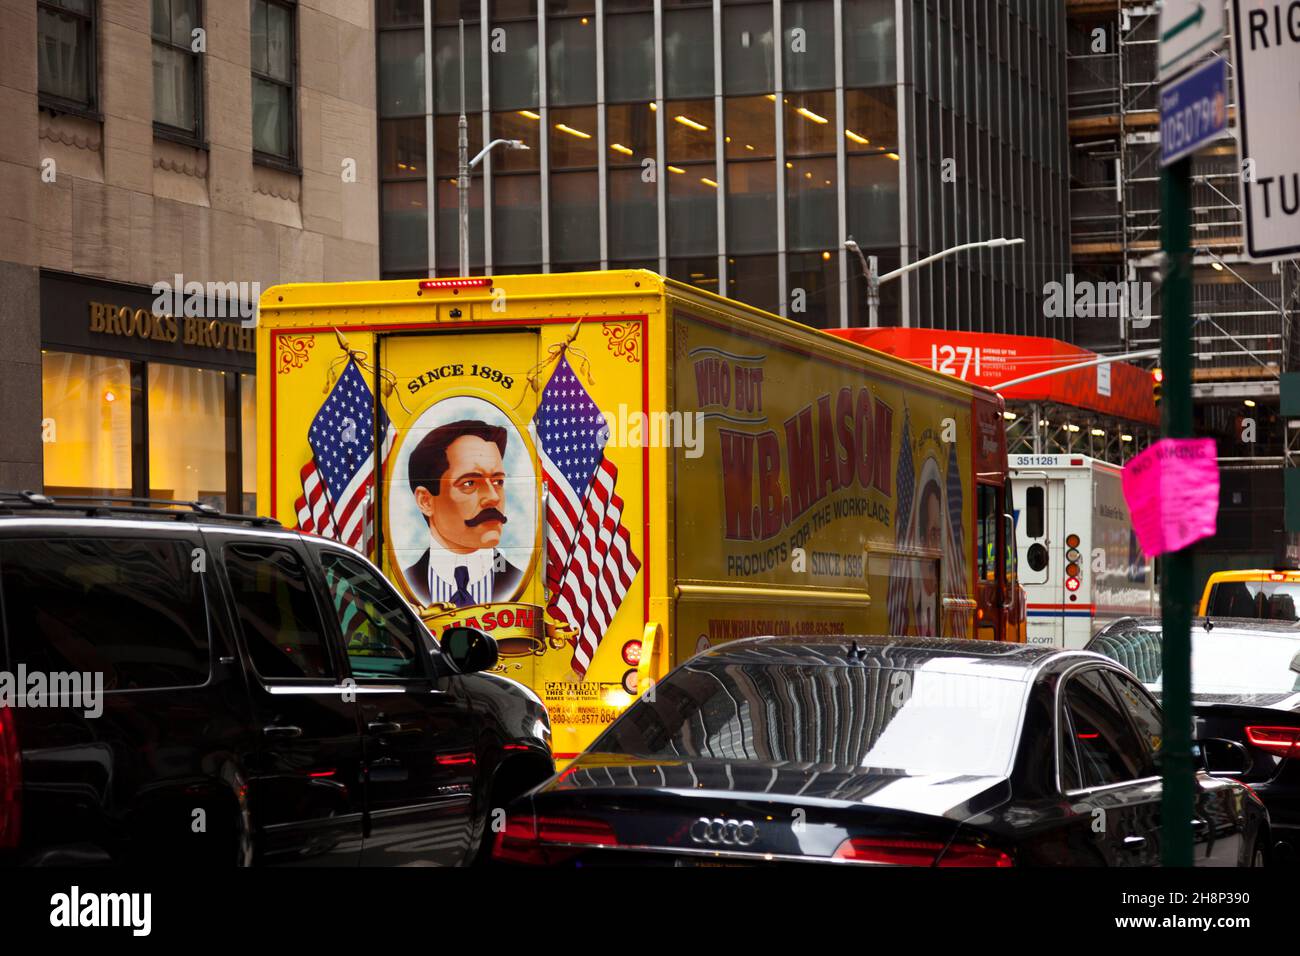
(1080,563)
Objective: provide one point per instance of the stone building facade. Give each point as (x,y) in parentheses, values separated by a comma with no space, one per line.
(227,143)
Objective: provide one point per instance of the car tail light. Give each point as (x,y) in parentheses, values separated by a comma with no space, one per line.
(11,780)
(538,841)
(919,853)
(1279,741)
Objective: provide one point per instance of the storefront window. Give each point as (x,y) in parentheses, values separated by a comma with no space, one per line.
(86,431)
(187,429)
(248,441)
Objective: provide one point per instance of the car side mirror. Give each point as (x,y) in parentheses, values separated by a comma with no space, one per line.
(469,650)
(1224,756)
(1295,664)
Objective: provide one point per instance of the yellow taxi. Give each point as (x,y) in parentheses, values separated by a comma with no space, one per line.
(1266,595)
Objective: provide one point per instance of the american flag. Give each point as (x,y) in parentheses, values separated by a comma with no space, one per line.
(899,572)
(338,478)
(589,560)
(955,582)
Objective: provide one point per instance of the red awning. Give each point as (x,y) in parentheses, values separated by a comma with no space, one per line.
(989,359)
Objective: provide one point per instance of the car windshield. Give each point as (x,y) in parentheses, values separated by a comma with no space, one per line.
(1224,661)
(1267,600)
(925,719)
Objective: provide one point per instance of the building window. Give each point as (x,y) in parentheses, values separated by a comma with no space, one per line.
(633,216)
(575,217)
(517,221)
(571,61)
(575,189)
(693,209)
(701,272)
(275,128)
(514,69)
(630,58)
(446,160)
(177,70)
(814,284)
(688,53)
(751,207)
(401,73)
(747,63)
(753,280)
(403,221)
(869,51)
(446,78)
(808,57)
(65,52)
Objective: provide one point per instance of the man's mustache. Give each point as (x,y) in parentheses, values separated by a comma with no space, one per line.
(487,514)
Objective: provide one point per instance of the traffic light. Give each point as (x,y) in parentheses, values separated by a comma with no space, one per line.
(1157,378)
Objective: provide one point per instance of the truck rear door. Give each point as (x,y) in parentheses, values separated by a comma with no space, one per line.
(1042,566)
(461,507)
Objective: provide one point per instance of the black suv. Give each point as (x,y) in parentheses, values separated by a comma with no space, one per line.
(183,685)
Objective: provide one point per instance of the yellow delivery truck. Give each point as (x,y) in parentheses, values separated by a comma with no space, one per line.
(611,471)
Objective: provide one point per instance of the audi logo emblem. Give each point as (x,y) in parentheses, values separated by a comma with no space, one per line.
(718,832)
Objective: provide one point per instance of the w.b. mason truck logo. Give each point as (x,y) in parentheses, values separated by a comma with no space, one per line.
(836,442)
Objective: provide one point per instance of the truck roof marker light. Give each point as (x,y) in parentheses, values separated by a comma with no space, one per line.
(471,282)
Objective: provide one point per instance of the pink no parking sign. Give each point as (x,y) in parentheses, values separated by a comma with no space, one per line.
(1172,491)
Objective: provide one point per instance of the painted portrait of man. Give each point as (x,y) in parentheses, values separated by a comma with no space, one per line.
(458,479)
(929,535)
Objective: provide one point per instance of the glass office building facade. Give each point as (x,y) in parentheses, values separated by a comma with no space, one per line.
(734,145)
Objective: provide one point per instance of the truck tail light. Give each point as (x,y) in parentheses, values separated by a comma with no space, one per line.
(1072,584)
(919,853)
(11,780)
(1279,741)
(548,840)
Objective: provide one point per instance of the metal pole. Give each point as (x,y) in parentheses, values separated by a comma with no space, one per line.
(873,293)
(1177,806)
(462,159)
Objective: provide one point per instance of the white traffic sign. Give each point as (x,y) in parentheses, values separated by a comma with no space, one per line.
(1188,29)
(1267,39)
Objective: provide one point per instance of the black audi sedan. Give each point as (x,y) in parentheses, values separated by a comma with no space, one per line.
(873,750)
(1246,701)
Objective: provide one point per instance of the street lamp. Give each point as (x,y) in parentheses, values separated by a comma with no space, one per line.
(874,279)
(462,182)
(465,164)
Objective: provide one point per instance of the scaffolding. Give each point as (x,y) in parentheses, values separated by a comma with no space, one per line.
(1244,311)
